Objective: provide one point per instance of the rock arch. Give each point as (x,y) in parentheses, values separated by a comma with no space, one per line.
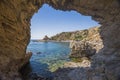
(15,18)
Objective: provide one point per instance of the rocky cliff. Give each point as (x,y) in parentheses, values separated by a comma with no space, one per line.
(87,34)
(88,43)
(91,34)
(64,36)
(15,18)
(83,43)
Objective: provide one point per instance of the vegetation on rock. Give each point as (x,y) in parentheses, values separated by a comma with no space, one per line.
(88,43)
(84,43)
(86,34)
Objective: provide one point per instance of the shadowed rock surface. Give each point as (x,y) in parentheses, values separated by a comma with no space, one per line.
(46,38)
(15,18)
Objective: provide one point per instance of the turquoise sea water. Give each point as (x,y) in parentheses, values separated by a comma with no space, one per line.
(47,57)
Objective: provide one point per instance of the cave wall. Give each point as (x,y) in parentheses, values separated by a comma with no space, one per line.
(14,35)
(15,18)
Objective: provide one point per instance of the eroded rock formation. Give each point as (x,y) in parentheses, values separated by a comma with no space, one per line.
(15,18)
(89,43)
(82,49)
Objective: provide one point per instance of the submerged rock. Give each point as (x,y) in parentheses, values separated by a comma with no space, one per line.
(38,53)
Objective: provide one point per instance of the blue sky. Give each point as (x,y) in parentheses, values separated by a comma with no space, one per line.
(48,21)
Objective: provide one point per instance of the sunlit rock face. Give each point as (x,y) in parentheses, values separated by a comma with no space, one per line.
(14,36)
(89,44)
(15,18)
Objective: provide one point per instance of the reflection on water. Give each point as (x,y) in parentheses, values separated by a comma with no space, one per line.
(52,55)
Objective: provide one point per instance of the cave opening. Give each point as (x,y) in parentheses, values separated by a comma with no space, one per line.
(48,56)
(15,18)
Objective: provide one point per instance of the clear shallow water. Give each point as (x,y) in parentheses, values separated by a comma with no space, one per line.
(52,55)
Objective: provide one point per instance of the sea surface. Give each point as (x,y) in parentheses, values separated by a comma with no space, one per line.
(47,57)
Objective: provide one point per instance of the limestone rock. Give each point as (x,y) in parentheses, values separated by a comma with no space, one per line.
(88,46)
(84,63)
(15,18)
(82,49)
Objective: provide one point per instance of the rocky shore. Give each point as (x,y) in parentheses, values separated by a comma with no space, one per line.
(15,21)
(72,70)
(83,48)
(84,44)
(88,46)
(82,55)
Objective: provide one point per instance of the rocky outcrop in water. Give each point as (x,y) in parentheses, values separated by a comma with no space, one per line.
(15,18)
(46,38)
(81,50)
(90,44)
(83,43)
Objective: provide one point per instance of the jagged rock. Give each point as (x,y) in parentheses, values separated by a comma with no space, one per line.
(88,46)
(15,18)
(81,49)
(46,38)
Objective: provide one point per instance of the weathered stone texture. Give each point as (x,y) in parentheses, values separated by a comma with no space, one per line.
(15,18)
